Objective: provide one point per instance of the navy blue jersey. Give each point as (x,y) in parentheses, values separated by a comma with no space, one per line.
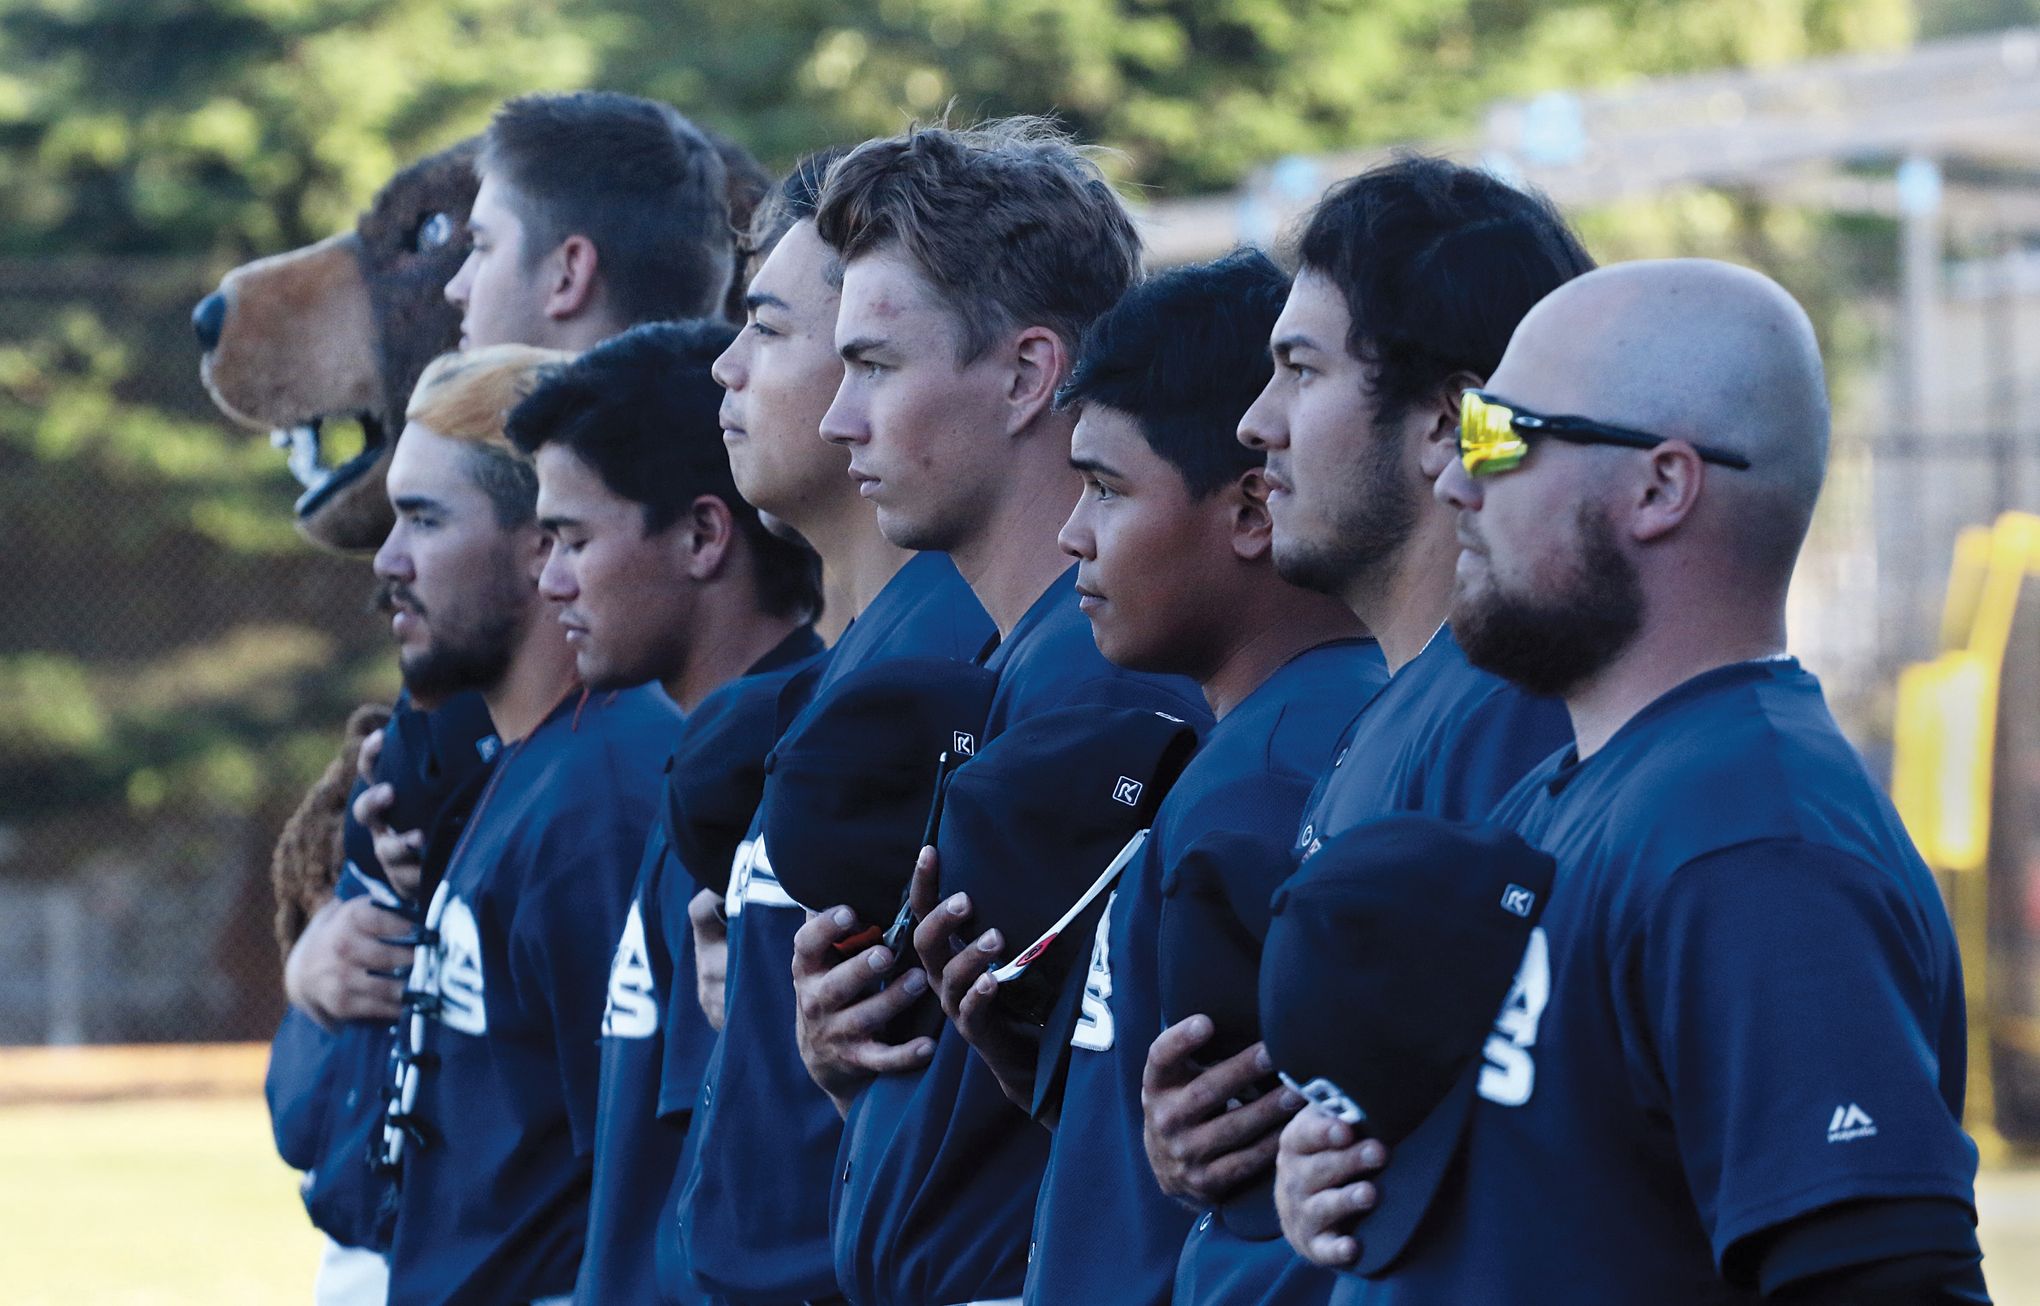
(647,1012)
(938,1170)
(493,1207)
(324,1087)
(1443,738)
(755,1177)
(1743,1004)
(1104,1231)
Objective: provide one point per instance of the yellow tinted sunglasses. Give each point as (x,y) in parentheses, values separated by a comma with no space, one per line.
(1494,435)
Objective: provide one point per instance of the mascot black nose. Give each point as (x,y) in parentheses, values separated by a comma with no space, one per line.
(207,320)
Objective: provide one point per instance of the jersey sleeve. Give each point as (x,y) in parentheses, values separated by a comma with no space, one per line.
(1797,1015)
(564,938)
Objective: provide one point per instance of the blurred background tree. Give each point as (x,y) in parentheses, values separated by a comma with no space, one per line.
(174,663)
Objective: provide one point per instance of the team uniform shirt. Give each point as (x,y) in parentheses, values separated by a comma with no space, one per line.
(1104,1232)
(1446,739)
(1742,1004)
(494,1206)
(637,1151)
(753,1196)
(324,1087)
(938,1172)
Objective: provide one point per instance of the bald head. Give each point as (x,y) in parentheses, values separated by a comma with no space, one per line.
(1697,350)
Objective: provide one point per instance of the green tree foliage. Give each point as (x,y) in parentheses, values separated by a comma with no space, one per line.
(166,629)
(1193,92)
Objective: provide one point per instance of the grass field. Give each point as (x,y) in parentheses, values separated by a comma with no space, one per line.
(176,1201)
(155,1202)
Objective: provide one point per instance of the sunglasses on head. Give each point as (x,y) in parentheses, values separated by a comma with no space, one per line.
(1494,435)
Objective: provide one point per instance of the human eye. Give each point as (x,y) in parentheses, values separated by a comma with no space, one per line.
(1100,491)
(762,329)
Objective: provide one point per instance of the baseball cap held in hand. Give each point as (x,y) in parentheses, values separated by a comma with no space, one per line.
(1389,954)
(716,776)
(1213,918)
(1037,827)
(848,790)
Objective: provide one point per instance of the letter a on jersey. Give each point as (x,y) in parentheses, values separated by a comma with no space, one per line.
(633,1007)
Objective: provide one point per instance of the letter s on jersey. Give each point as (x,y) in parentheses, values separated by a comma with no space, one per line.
(1094,1027)
(456,975)
(1510,1074)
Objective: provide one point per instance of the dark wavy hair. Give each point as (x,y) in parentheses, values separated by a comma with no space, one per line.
(1437,264)
(1184,354)
(640,410)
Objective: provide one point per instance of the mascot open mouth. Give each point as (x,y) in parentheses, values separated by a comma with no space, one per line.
(309,445)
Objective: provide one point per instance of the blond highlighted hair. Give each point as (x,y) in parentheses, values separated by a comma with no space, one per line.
(468,397)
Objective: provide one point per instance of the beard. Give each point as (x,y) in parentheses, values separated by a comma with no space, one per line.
(471,646)
(1375,517)
(1549,643)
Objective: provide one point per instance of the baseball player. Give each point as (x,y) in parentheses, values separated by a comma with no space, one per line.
(1357,419)
(753,1185)
(493,1115)
(1731,1065)
(973,261)
(1174,564)
(662,571)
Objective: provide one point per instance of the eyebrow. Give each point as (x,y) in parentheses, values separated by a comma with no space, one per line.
(552,525)
(862,345)
(1097,468)
(417,503)
(758,299)
(1284,345)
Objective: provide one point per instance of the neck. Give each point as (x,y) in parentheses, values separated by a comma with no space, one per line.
(1012,558)
(583,332)
(732,643)
(857,561)
(1289,622)
(1404,603)
(1690,641)
(541,673)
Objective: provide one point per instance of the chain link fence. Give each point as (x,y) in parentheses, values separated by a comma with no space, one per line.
(175,665)
(174,668)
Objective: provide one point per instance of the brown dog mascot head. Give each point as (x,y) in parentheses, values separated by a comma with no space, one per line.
(341,329)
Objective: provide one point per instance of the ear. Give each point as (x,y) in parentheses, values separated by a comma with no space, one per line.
(707,536)
(1667,491)
(574,267)
(1253,529)
(1439,443)
(1039,362)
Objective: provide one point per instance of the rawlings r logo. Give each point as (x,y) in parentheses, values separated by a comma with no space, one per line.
(1517,901)
(1127,791)
(963,743)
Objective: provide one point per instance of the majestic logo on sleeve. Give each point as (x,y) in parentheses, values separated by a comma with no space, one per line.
(1094,1025)
(1851,1122)
(1510,1074)
(633,1007)
(453,970)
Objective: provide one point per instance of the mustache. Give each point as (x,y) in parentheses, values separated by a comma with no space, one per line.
(388,594)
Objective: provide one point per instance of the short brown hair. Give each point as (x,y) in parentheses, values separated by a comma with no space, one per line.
(467,398)
(1010,219)
(635,177)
